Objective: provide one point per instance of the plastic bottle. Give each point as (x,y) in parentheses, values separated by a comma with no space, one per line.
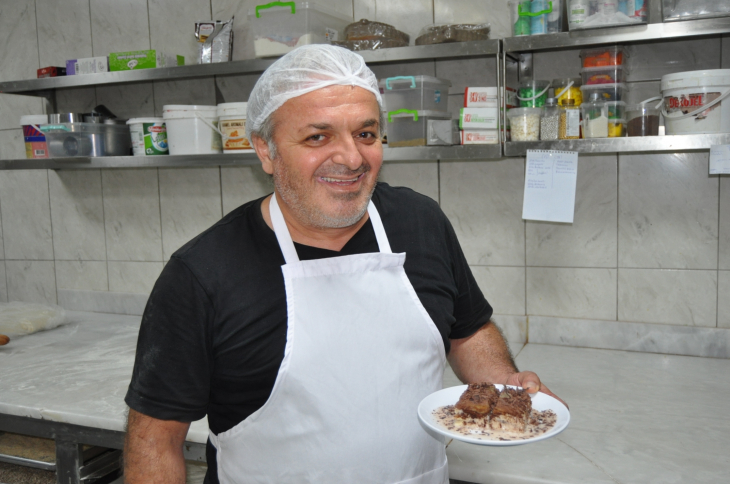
(538,24)
(521,23)
(578,11)
(554,20)
(550,119)
(569,125)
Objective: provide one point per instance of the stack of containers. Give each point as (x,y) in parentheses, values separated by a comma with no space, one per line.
(418,110)
(604,79)
(479,118)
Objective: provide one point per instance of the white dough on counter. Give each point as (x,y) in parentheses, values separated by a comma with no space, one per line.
(19,318)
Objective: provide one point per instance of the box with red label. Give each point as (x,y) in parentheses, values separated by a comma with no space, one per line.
(51,72)
(511,97)
(479,118)
(481,97)
(480,137)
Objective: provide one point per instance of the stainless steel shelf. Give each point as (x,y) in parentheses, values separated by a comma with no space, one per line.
(253,66)
(617,35)
(421,153)
(621,145)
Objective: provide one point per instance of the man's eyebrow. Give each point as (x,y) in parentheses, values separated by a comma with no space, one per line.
(324,126)
(369,123)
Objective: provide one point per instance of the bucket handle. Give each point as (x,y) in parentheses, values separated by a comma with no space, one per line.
(655,98)
(411,78)
(697,111)
(292,5)
(537,95)
(530,14)
(565,89)
(215,128)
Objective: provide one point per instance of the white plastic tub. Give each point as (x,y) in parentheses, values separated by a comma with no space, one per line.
(149,136)
(696,102)
(35,140)
(191,129)
(279,29)
(232,125)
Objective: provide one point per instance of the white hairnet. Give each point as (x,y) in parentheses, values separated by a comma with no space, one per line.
(306,69)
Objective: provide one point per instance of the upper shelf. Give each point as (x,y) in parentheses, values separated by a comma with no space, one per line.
(617,35)
(252,66)
(419,153)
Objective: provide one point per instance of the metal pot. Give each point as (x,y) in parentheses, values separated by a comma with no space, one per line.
(65,118)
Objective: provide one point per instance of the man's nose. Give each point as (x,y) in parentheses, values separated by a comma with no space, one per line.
(347,153)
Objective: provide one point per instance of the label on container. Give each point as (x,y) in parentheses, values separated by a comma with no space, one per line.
(686,103)
(36,149)
(330,34)
(437,96)
(235,130)
(149,139)
(572,126)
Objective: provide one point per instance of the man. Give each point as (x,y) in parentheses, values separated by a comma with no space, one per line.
(309,324)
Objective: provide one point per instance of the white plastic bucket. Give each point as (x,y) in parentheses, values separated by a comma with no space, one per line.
(696,102)
(191,129)
(149,136)
(232,126)
(35,140)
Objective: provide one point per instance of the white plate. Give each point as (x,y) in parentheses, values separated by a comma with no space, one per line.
(449,396)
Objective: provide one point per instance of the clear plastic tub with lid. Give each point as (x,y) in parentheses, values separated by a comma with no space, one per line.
(532,93)
(613,55)
(409,127)
(606,92)
(616,128)
(643,119)
(421,93)
(279,27)
(615,109)
(568,89)
(525,123)
(603,75)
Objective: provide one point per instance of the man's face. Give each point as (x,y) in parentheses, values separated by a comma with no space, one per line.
(329,154)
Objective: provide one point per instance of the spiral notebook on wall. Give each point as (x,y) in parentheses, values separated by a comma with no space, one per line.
(550,178)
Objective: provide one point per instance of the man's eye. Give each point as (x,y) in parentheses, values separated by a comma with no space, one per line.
(367,135)
(316,137)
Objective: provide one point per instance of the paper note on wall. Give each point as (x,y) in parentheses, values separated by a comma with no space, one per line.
(720,160)
(550,179)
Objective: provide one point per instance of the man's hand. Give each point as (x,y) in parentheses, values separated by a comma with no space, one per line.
(485,357)
(153,450)
(531,382)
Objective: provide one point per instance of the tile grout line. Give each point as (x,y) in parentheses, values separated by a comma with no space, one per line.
(5,266)
(37,33)
(719,221)
(50,219)
(103,218)
(618,215)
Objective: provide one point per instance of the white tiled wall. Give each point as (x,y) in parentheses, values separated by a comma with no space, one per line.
(650,242)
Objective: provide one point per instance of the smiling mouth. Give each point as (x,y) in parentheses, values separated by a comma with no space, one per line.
(338,181)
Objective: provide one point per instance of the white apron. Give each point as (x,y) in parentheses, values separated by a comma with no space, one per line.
(361,352)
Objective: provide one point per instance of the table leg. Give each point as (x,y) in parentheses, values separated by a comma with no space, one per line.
(69,456)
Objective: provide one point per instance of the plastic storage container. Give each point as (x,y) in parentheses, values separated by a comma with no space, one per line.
(643,120)
(149,136)
(568,88)
(87,139)
(232,126)
(696,102)
(603,75)
(607,92)
(615,109)
(692,9)
(569,123)
(421,93)
(533,94)
(591,14)
(279,29)
(191,129)
(525,123)
(550,119)
(616,128)
(603,56)
(595,117)
(409,127)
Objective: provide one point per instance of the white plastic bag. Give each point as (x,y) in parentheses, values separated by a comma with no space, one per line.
(20,318)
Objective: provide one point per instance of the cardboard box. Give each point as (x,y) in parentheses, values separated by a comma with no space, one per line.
(481,97)
(51,72)
(143,59)
(479,118)
(480,137)
(88,65)
(511,101)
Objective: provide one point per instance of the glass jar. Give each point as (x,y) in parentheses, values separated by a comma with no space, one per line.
(550,119)
(569,124)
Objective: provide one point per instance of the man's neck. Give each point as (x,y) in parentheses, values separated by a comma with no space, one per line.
(331,239)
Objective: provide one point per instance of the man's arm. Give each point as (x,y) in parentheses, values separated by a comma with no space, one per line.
(153,450)
(485,357)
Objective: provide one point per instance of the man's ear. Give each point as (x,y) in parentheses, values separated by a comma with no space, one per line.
(262,151)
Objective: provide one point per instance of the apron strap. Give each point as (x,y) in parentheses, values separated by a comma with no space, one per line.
(287,244)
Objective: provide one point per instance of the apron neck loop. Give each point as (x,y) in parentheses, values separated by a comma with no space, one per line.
(287,244)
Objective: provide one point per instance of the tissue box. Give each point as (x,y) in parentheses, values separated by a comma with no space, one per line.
(143,59)
(480,137)
(479,118)
(481,97)
(88,65)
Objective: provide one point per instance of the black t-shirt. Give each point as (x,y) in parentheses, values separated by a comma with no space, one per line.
(213,333)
